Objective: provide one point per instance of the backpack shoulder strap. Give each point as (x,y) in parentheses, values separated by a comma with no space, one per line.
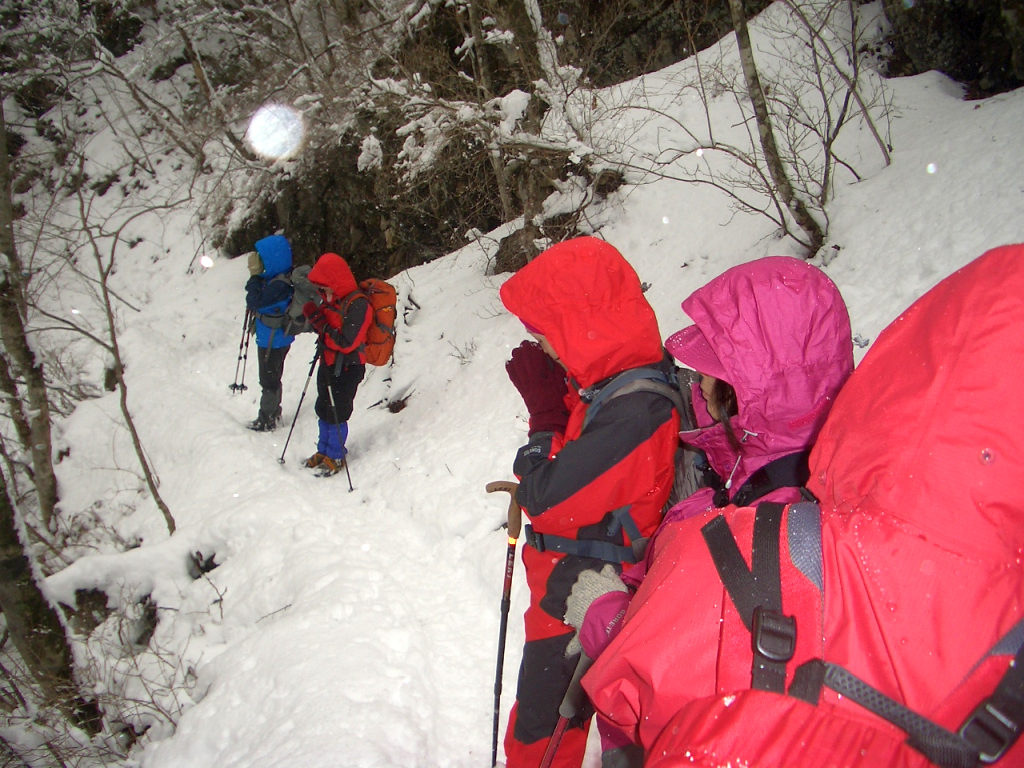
(757,592)
(985,736)
(790,471)
(633,380)
(284,277)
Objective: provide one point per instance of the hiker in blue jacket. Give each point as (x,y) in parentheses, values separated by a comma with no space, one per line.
(268,299)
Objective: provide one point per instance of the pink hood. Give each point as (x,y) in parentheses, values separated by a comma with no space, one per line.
(781,335)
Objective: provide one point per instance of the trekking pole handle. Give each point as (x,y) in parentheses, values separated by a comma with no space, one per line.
(572,702)
(515,512)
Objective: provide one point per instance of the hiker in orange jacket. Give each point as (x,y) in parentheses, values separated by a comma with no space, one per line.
(341,320)
(592,488)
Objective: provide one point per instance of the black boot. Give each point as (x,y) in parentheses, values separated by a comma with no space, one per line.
(263,423)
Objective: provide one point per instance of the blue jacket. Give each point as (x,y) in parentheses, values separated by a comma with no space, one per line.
(267,296)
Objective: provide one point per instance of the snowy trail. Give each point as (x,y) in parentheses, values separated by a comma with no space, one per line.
(375,612)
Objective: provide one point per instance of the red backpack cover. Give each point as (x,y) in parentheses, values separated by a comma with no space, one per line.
(909,578)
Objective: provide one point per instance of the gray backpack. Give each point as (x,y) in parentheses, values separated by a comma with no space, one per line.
(292,321)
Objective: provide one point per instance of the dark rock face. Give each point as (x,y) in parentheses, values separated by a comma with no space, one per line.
(977,42)
(377,225)
(381,224)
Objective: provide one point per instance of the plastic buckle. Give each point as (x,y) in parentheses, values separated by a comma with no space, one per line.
(990,731)
(773,635)
(535,540)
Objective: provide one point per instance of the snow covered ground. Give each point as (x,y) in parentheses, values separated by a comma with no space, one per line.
(360,628)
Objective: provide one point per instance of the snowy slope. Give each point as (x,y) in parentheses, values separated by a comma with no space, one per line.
(360,629)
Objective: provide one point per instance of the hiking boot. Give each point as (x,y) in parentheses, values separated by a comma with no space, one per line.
(329,466)
(315,460)
(262,424)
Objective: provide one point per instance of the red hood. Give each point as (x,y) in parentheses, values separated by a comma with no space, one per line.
(585,298)
(332,271)
(928,430)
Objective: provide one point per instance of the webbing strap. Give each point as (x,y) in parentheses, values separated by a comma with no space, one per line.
(614,388)
(600,550)
(785,472)
(996,724)
(732,568)
(942,747)
(985,736)
(622,519)
(757,593)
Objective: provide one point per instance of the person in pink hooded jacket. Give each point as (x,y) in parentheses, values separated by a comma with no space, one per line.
(772,343)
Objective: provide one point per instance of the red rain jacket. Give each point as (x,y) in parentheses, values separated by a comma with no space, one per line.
(918,469)
(586,299)
(348,316)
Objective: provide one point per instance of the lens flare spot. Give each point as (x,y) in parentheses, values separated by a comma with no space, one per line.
(206,261)
(700,152)
(932,168)
(664,219)
(275,131)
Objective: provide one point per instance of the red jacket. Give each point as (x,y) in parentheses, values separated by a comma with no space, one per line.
(585,298)
(348,313)
(918,471)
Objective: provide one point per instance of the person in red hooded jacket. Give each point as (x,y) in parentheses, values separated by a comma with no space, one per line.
(593,485)
(341,320)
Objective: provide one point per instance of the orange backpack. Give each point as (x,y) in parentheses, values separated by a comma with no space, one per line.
(380,336)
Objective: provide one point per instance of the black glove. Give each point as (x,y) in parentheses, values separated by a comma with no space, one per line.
(541,382)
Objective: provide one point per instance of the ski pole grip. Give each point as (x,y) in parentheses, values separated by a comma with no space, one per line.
(572,702)
(515,513)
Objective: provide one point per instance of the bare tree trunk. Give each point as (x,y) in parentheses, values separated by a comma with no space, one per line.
(15,341)
(103,271)
(10,389)
(34,626)
(482,70)
(204,86)
(776,169)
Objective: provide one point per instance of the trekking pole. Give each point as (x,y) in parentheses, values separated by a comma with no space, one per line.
(337,426)
(571,704)
(312,366)
(515,521)
(236,387)
(245,361)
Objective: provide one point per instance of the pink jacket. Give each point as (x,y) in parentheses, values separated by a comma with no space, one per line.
(781,335)
(778,331)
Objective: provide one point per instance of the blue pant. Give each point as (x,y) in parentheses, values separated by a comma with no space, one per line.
(332,439)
